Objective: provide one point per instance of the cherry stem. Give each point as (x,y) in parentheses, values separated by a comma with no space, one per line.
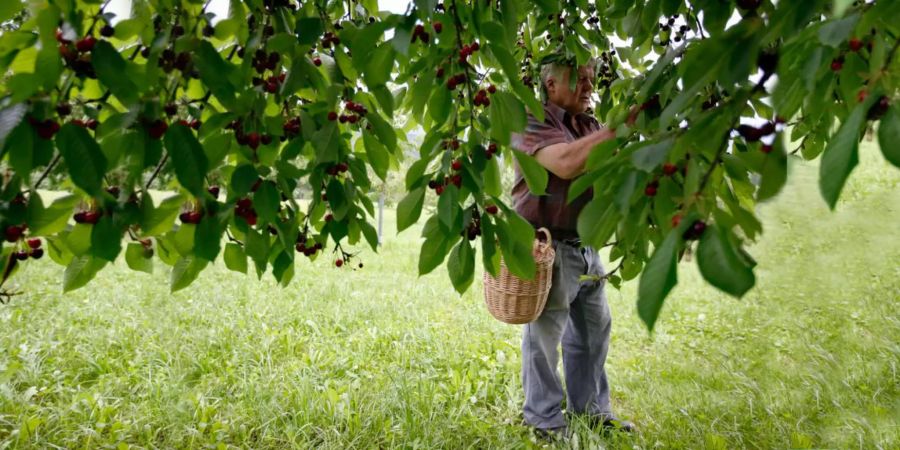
(159,167)
(50,167)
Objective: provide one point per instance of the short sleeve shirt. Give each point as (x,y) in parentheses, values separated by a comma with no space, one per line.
(551,210)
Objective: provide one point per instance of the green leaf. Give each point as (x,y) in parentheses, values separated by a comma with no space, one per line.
(659,277)
(325,142)
(106,239)
(461,266)
(410,208)
(378,156)
(649,157)
(841,156)
(235,259)
(774,171)
(137,259)
(507,116)
(835,32)
(433,252)
(256,245)
(112,71)
(215,73)
(20,147)
(87,165)
(379,65)
(159,220)
(536,176)
(889,135)
(185,272)
(516,243)
(439,105)
(267,201)
(80,271)
(597,222)
(309,30)
(720,264)
(44,221)
(242,180)
(188,158)
(208,238)
(9,8)
(840,6)
(448,207)
(491,176)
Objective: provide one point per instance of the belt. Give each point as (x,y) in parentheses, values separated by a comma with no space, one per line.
(573,242)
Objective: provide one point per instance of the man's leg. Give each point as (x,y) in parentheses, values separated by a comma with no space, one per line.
(540,343)
(585,344)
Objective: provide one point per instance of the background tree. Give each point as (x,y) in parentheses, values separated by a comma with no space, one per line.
(240,111)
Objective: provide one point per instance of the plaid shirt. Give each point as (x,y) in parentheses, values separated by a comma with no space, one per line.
(551,210)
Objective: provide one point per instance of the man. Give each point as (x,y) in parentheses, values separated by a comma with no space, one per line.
(577,314)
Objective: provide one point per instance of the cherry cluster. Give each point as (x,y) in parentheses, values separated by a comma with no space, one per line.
(303,246)
(419,33)
(755,134)
(252,139)
(32,248)
(481,98)
(291,128)
(338,168)
(46,128)
(453,81)
(78,55)
(473,230)
(263,61)
(466,51)
(89,217)
(357,108)
(244,209)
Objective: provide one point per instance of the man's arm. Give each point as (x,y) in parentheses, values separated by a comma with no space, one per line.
(566,160)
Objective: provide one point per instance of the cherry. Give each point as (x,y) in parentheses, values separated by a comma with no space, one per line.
(88,217)
(34,243)
(329,217)
(695,231)
(339,263)
(676,220)
(440,72)
(491,209)
(47,128)
(253,140)
(456,180)
(113,190)
(209,30)
(439,190)
(650,190)
(107,31)
(492,148)
(332,116)
(456,165)
(438,27)
(750,133)
(669,169)
(177,30)
(244,203)
(191,217)
(879,109)
(837,64)
(855,44)
(171,109)
(86,44)
(92,124)
(766,148)
(750,5)
(37,253)
(21,255)
(63,109)
(14,233)
(157,129)
(214,191)
(861,95)
(492,89)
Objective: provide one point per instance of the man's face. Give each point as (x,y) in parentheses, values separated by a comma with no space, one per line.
(577,101)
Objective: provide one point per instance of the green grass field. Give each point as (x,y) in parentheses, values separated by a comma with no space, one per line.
(380,358)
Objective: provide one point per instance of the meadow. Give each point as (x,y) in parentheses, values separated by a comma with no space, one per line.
(381,358)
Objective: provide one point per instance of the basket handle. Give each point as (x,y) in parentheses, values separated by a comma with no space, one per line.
(543,246)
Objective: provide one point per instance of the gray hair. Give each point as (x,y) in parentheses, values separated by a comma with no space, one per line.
(558,71)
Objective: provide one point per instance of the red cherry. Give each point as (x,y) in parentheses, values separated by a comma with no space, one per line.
(91,217)
(492,89)
(332,116)
(34,243)
(676,220)
(861,95)
(214,191)
(37,253)
(21,255)
(317,62)
(766,149)
(438,27)
(13,233)
(339,263)
(837,65)
(329,217)
(650,191)
(253,140)
(86,44)
(855,44)
(456,165)
(491,209)
(439,190)
(157,129)
(669,168)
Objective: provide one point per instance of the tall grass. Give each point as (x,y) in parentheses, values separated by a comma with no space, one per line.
(381,358)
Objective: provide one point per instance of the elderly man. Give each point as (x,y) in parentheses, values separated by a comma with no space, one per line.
(577,314)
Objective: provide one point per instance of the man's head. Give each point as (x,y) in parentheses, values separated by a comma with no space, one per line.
(556,83)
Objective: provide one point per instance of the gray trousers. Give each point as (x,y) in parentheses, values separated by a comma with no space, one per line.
(576,315)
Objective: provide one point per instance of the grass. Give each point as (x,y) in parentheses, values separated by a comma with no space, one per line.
(379,358)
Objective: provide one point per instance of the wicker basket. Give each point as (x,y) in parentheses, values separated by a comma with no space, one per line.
(513,300)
